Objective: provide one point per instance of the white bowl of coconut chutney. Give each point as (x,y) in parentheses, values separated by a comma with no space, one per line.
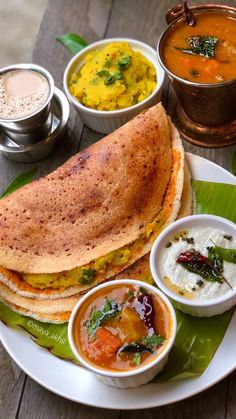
(193,262)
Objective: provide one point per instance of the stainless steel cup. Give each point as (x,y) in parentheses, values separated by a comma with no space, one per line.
(206,112)
(36,126)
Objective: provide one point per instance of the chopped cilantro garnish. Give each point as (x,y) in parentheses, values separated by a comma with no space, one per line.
(98,317)
(109,77)
(130,293)
(87,276)
(95,81)
(153,341)
(103,73)
(94,322)
(137,359)
(107,63)
(118,75)
(124,61)
(143,290)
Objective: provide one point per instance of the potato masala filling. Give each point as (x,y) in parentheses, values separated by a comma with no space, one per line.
(115,77)
(98,268)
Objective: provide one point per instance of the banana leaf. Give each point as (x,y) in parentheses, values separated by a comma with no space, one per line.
(216,198)
(51,336)
(195,345)
(197,339)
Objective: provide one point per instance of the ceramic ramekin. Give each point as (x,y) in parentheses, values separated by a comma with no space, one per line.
(138,376)
(107,121)
(196,307)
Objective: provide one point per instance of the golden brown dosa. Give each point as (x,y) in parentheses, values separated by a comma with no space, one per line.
(187,199)
(141,268)
(58,310)
(39,306)
(170,210)
(98,201)
(62,317)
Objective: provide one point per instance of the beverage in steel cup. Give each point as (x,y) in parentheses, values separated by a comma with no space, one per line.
(206,112)
(26,91)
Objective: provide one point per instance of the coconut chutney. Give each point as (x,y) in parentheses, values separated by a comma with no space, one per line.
(197,242)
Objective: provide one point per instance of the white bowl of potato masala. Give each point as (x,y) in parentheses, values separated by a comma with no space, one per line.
(193,261)
(123,332)
(112,80)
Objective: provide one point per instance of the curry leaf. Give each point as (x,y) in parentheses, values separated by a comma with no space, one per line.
(135,347)
(193,261)
(215,259)
(201,45)
(19,181)
(229,255)
(72,41)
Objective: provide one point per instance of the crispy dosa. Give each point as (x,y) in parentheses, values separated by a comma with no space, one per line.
(59,310)
(167,214)
(97,202)
(119,193)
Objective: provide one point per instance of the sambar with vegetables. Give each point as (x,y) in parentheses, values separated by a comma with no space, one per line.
(122,327)
(205,52)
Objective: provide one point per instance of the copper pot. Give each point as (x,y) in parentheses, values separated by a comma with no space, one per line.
(206,112)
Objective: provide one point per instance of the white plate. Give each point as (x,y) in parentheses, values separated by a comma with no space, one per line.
(80,385)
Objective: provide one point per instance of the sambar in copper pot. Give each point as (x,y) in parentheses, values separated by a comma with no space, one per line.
(200,59)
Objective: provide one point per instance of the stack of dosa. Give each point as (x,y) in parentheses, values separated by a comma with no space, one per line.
(117,194)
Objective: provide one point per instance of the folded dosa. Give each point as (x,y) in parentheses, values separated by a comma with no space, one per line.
(98,201)
(121,189)
(167,213)
(59,310)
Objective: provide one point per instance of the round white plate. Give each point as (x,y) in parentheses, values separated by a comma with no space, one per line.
(76,383)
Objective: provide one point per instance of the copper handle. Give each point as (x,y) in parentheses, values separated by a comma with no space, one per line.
(174,13)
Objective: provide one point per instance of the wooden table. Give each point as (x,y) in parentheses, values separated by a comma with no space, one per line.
(20,396)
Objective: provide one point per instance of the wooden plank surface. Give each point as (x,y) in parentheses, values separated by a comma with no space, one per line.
(231,399)
(20,396)
(11,385)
